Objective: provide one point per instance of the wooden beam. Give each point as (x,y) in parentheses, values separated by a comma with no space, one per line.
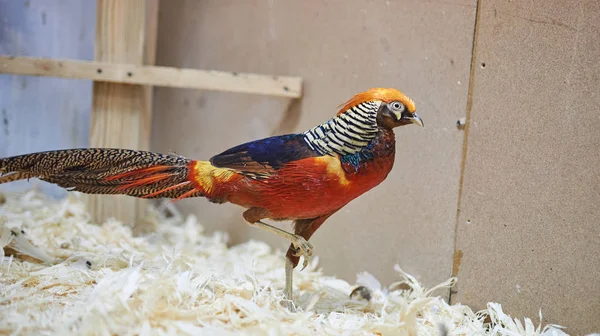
(142,226)
(149,57)
(118,110)
(125,72)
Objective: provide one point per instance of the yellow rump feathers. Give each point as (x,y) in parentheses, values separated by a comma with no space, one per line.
(382,94)
(207,176)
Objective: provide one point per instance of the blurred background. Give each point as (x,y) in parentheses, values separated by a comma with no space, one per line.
(510,205)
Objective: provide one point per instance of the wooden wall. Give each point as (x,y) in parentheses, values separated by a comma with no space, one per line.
(37,113)
(523,176)
(529,225)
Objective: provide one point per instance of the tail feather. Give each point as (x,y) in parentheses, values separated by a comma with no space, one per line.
(137,173)
(106,171)
(14,176)
(167,189)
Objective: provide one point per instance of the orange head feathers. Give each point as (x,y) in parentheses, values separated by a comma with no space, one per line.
(386,95)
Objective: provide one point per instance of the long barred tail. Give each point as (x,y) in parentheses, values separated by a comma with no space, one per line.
(106,171)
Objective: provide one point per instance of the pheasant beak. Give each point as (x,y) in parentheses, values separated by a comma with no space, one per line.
(417,120)
(413,118)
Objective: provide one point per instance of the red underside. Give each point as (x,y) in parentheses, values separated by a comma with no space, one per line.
(303,189)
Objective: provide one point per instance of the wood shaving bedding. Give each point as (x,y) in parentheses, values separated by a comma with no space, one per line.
(62,275)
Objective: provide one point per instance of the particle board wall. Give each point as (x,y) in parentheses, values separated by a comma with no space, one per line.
(339,48)
(529,225)
(36,113)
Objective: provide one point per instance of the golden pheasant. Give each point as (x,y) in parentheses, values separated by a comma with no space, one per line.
(304,177)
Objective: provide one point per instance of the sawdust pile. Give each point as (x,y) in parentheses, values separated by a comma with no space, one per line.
(61,275)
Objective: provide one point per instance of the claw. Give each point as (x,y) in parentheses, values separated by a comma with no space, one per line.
(302,248)
(298,253)
(305,263)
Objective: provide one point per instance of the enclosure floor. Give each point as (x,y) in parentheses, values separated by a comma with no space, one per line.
(60,274)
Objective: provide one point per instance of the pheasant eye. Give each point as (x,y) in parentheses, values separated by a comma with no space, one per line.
(397,106)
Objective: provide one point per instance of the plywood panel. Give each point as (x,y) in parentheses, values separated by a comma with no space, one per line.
(38,114)
(529,228)
(339,48)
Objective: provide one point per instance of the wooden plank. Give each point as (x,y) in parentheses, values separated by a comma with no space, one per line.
(149,59)
(142,226)
(118,110)
(283,86)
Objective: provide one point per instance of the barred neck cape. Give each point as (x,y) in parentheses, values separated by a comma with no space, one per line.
(346,133)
